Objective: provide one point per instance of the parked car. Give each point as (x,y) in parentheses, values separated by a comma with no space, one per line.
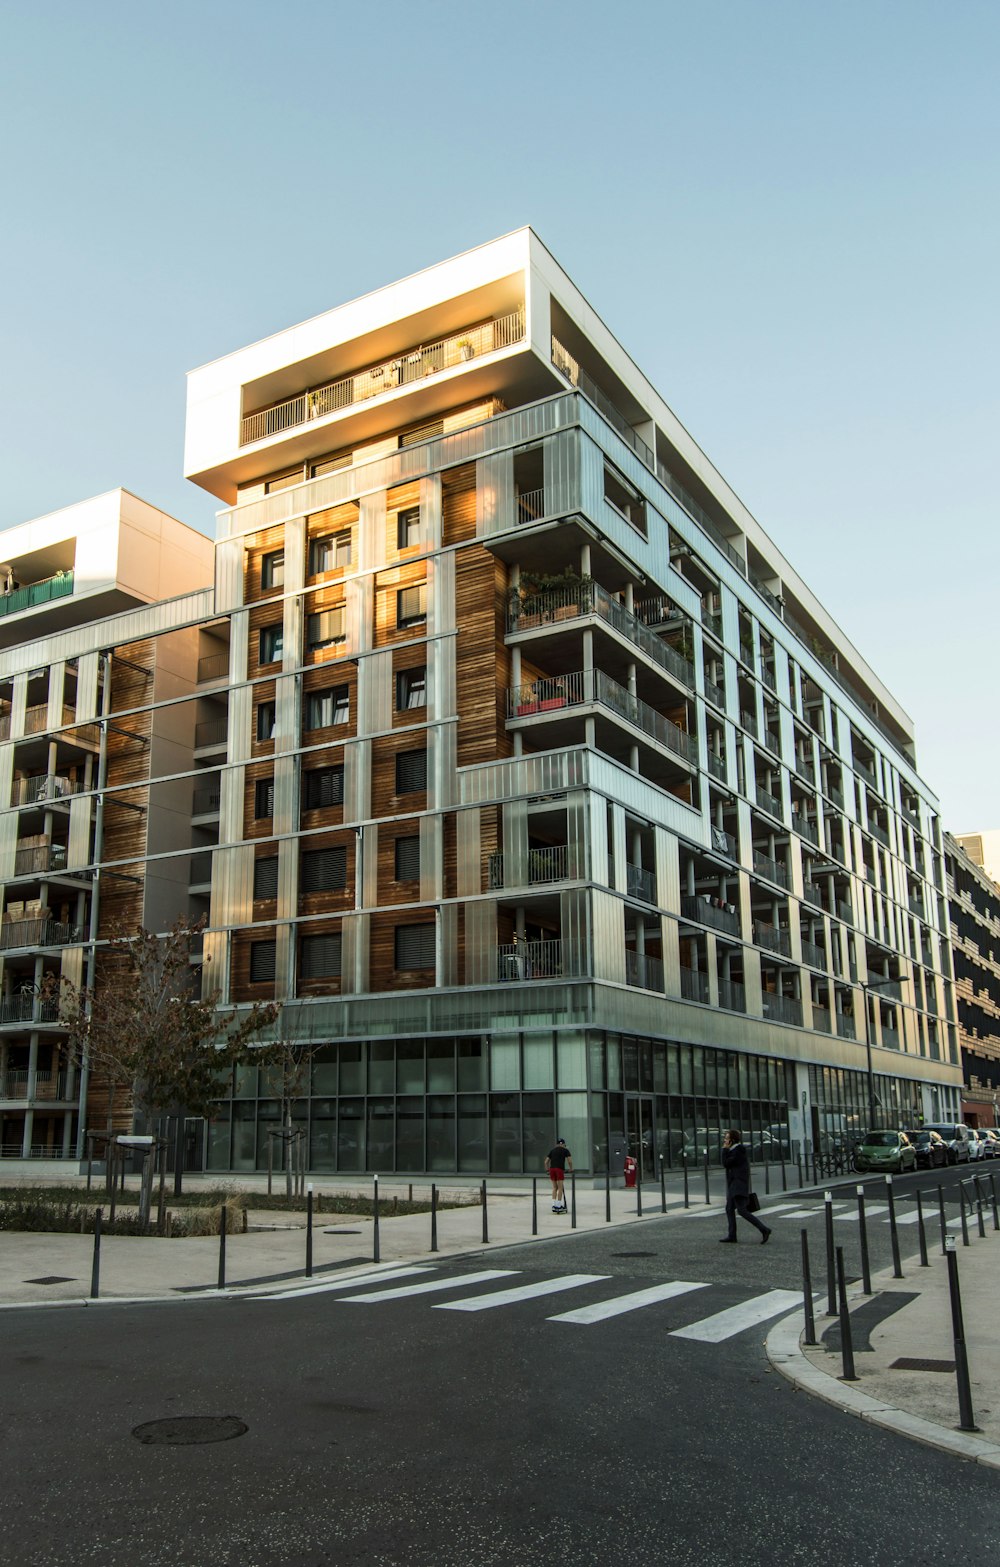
(977,1144)
(992,1137)
(888,1151)
(956,1135)
(929,1146)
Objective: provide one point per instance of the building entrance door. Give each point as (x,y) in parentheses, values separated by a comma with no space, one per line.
(639,1134)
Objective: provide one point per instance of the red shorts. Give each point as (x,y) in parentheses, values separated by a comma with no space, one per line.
(555,1176)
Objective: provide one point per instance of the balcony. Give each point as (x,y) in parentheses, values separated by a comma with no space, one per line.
(715,694)
(27,1009)
(749,724)
(771,742)
(724,843)
(44,860)
(18,1085)
(879,833)
(211,735)
(201,871)
(782,1009)
(813,954)
(772,938)
(523,960)
(588,598)
(767,802)
(822,1021)
(206,802)
(215,666)
(732,996)
(405,370)
(812,896)
(806,828)
(706,910)
(44,787)
(770,869)
(694,985)
(544,865)
(38,933)
(716,766)
(593,686)
(645,972)
(845,1026)
(57,587)
(640,884)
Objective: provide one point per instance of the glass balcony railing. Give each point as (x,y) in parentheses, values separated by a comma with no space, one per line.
(711,911)
(644,971)
(57,587)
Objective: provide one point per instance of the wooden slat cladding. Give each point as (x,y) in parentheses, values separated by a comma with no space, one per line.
(403,498)
(323,524)
(243,988)
(254,826)
(383,974)
(385,801)
(261,544)
(263,694)
(332,899)
(391,891)
(387,587)
(121,899)
(266,614)
(320,985)
(482,662)
(458,504)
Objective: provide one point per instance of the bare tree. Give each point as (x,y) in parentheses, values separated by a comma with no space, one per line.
(287,1067)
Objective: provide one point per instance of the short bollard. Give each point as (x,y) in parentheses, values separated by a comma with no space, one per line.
(942,1221)
(831,1275)
(376,1243)
(799,1163)
(638,1194)
(708,1194)
(897,1267)
(921,1232)
(486,1225)
(993,1200)
(434,1218)
(961,1209)
(687,1194)
(767,1178)
(309,1231)
(846,1344)
(966,1418)
(807,1293)
(607,1194)
(572,1199)
(979,1209)
(663,1187)
(95,1267)
(222,1246)
(784,1179)
(866,1272)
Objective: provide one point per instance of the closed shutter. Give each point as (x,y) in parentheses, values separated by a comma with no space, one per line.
(411,604)
(320,957)
(265,877)
(423,432)
(408,859)
(414,947)
(262,961)
(264,798)
(411,771)
(324,786)
(326,627)
(324,869)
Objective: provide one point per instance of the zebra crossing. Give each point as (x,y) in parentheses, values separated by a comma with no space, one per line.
(384,1286)
(844,1211)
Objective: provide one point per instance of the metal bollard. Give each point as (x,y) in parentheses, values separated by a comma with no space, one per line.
(866,1272)
(708,1195)
(807,1293)
(309,1231)
(376,1244)
(799,1163)
(897,1267)
(486,1224)
(961,1209)
(572,1199)
(607,1194)
(846,1344)
(95,1268)
(638,1193)
(831,1277)
(222,1246)
(534,1205)
(942,1221)
(979,1209)
(966,1418)
(784,1183)
(921,1232)
(663,1187)
(687,1195)
(993,1200)
(434,1218)
(767,1178)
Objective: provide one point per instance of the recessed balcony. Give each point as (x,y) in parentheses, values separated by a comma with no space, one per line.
(543,865)
(524,960)
(644,971)
(528,612)
(35,593)
(17,1085)
(591,687)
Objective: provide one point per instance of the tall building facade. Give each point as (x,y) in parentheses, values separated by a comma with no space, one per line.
(525,773)
(974,913)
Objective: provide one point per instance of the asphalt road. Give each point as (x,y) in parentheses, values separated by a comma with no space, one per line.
(415,1431)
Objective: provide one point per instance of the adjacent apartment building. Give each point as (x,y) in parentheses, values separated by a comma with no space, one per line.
(524,771)
(974,913)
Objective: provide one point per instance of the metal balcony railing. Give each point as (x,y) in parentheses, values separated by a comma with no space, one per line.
(206,802)
(724,842)
(214,666)
(770,869)
(529,505)
(533,960)
(38,933)
(845,913)
(782,1009)
(710,911)
(640,883)
(525,612)
(27,1009)
(845,1026)
(694,985)
(716,766)
(429,359)
(17,1085)
(732,996)
(35,593)
(644,971)
(821,1019)
(749,724)
(201,870)
(767,802)
(40,861)
(43,786)
(713,623)
(213,732)
(805,828)
(715,694)
(879,833)
(812,896)
(547,864)
(771,742)
(813,954)
(772,938)
(593,686)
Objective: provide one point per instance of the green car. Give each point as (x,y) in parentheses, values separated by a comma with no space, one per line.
(889,1151)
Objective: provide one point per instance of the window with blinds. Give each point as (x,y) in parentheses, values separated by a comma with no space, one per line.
(320,957)
(411,688)
(324,870)
(414,947)
(263,798)
(411,771)
(265,877)
(423,432)
(408,858)
(326,627)
(322,786)
(411,605)
(329,707)
(330,553)
(262,961)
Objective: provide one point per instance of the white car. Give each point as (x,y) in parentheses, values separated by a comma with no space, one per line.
(977,1144)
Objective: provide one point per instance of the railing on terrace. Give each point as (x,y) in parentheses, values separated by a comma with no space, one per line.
(821,1019)
(773,939)
(530,505)
(749,724)
(782,1009)
(43,786)
(834,794)
(916,905)
(732,996)
(35,593)
(214,731)
(713,623)
(589,598)
(865,772)
(769,677)
(16,1085)
(767,802)
(845,913)
(644,971)
(806,829)
(716,695)
(657,610)
(38,861)
(590,686)
(879,833)
(887,989)
(36,1151)
(27,1009)
(812,896)
(724,842)
(716,766)
(890,1036)
(533,960)
(206,802)
(36,719)
(813,954)
(845,1026)
(640,883)
(772,743)
(694,985)
(214,666)
(805,768)
(772,870)
(707,911)
(547,864)
(38,933)
(403,370)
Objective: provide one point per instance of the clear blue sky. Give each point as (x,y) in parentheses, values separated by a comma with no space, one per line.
(787,212)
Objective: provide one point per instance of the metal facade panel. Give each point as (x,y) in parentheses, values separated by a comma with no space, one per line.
(286,794)
(78,840)
(561,459)
(480,943)
(113,631)
(8,819)
(292,624)
(232,783)
(442,697)
(359,596)
(18,703)
(375,693)
(431,859)
(372,534)
(494,494)
(441,594)
(295,555)
(57,686)
(367,846)
(357,780)
(240,729)
(288,878)
(578,836)
(239,645)
(284,962)
(288,712)
(441,761)
(447,945)
(468,849)
(431,510)
(215,967)
(87,694)
(228,575)
(608,936)
(232,885)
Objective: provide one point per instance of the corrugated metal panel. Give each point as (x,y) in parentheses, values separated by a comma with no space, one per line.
(447,938)
(295,555)
(18,703)
(354,955)
(597,811)
(71,965)
(367,847)
(375,693)
(372,534)
(359,596)
(431,513)
(494,494)
(514,827)
(240,723)
(78,840)
(480,943)
(284,962)
(288,712)
(8,820)
(87,699)
(228,575)
(432,860)
(441,594)
(239,645)
(232,885)
(441,679)
(578,830)
(231,786)
(441,750)
(286,794)
(468,852)
(562,472)
(668,868)
(57,685)
(292,620)
(288,878)
(130,626)
(608,937)
(357,780)
(619,848)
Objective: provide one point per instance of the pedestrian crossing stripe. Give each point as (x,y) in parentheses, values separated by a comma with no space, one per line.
(616,1307)
(712,1330)
(387,1274)
(568,1281)
(374,1297)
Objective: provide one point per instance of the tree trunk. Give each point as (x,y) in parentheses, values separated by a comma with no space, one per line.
(288,1152)
(179,1155)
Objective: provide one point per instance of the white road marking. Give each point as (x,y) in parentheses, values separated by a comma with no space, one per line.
(712,1330)
(374,1296)
(389,1275)
(623,1303)
(568,1281)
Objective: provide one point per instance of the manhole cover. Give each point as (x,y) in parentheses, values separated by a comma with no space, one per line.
(633,1254)
(189,1430)
(51,1278)
(922,1365)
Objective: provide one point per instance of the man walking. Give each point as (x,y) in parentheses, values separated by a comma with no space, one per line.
(734,1157)
(557,1161)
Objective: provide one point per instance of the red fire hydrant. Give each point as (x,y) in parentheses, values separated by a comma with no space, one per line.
(631,1171)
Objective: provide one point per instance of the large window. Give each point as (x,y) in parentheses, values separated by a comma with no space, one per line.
(326,627)
(411,688)
(267,714)
(324,870)
(411,605)
(263,798)
(408,530)
(320,957)
(265,877)
(414,947)
(408,858)
(272,570)
(329,707)
(271,644)
(262,961)
(330,553)
(322,786)
(411,772)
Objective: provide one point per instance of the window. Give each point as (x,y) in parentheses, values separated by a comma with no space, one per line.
(411,688)
(283,481)
(322,786)
(408,859)
(411,605)
(262,961)
(326,627)
(263,798)
(271,644)
(331,464)
(272,570)
(265,877)
(325,708)
(331,553)
(414,947)
(408,530)
(324,870)
(267,713)
(411,771)
(320,957)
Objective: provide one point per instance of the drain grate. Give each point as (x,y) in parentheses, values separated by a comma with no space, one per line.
(51,1278)
(922,1365)
(189,1430)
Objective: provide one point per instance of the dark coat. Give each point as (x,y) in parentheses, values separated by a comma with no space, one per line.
(737,1171)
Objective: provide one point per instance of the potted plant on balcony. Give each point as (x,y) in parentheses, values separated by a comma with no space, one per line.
(527,701)
(465,348)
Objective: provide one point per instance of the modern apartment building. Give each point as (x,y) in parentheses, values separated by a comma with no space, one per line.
(974,913)
(531,779)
